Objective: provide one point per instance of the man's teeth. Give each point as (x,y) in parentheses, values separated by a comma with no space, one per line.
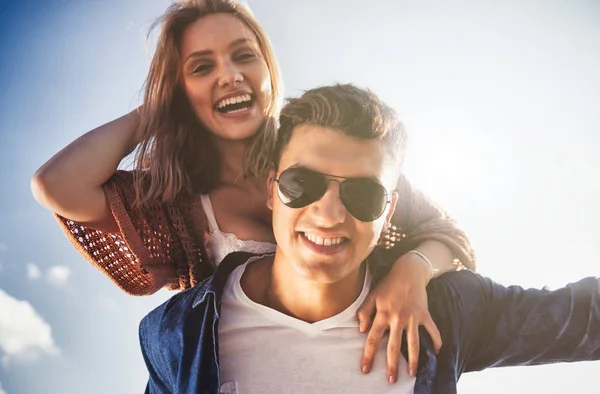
(234,100)
(324,241)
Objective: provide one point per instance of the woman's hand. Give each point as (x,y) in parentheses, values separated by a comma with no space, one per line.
(400,303)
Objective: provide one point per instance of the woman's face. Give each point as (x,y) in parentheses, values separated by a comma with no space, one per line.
(225,76)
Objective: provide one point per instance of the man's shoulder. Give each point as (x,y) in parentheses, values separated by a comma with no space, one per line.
(171,316)
(191,307)
(458,279)
(458,291)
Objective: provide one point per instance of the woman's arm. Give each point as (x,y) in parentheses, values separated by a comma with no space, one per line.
(70,183)
(417,219)
(439,255)
(141,249)
(400,300)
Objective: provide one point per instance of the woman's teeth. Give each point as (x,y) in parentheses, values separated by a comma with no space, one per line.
(243,98)
(236,110)
(324,241)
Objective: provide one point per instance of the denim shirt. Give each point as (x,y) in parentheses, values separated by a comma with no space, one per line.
(482,323)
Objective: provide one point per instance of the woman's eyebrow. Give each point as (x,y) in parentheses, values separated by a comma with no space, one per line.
(240,41)
(204,52)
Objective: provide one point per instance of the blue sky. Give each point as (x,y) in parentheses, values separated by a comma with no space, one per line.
(500,101)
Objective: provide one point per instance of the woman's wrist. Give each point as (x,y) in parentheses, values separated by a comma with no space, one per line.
(426,260)
(413,266)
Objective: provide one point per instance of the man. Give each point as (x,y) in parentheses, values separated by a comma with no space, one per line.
(286,323)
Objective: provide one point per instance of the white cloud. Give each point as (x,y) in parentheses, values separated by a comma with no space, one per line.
(1,390)
(23,333)
(58,275)
(33,272)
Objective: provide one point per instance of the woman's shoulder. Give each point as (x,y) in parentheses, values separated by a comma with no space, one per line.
(123,182)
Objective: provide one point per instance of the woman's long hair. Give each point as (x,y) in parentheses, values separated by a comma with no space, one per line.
(176,154)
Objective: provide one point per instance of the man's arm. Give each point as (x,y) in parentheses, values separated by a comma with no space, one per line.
(487,325)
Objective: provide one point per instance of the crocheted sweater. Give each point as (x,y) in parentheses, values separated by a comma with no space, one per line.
(163,244)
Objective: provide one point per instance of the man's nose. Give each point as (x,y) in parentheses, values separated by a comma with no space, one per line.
(329,210)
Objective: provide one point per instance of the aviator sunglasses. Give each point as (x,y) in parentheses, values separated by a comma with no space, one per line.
(363,198)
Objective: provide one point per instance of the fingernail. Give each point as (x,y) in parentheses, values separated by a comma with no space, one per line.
(365,369)
(411,372)
(392,379)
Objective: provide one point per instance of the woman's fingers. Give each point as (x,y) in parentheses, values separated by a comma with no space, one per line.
(393,352)
(434,333)
(378,329)
(365,312)
(412,340)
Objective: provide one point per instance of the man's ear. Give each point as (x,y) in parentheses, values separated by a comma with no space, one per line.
(270,185)
(393,201)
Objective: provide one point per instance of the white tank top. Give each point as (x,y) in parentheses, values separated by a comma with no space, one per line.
(220,244)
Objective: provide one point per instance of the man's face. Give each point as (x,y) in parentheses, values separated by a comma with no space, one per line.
(323,241)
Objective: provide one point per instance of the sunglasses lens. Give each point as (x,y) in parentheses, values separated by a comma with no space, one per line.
(299,187)
(363,198)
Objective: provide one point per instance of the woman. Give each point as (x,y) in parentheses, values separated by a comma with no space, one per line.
(203,138)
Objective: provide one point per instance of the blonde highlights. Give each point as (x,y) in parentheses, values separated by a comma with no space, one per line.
(176,154)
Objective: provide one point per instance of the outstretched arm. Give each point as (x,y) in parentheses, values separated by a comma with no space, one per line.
(484,324)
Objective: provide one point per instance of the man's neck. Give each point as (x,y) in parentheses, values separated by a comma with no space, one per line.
(274,283)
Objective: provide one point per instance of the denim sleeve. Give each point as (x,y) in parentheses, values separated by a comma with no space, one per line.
(157,365)
(484,324)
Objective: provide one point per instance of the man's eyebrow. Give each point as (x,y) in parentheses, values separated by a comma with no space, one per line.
(205,52)
(369,177)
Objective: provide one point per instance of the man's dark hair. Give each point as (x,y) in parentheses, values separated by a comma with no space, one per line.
(356,112)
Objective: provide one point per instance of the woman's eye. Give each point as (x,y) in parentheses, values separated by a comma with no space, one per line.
(245,56)
(201,68)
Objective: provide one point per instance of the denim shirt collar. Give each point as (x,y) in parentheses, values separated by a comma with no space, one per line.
(215,284)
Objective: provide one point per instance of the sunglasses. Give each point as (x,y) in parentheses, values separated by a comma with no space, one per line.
(363,198)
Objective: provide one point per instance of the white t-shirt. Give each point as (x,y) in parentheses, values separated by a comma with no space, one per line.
(264,351)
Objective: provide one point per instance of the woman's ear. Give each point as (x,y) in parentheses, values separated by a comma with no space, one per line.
(270,186)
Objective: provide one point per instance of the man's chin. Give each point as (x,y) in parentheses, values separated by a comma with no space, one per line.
(320,271)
